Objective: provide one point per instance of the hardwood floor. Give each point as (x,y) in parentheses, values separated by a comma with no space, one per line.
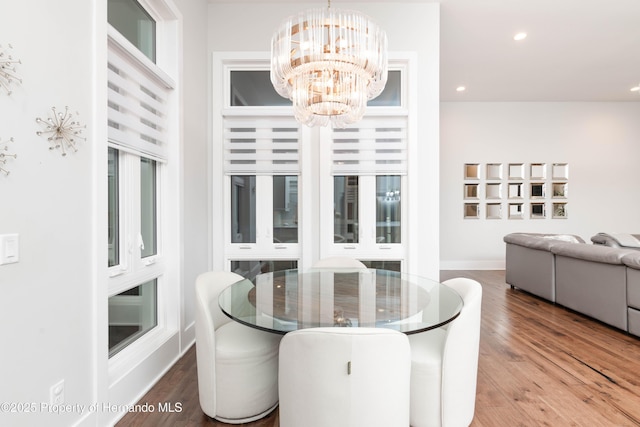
(539,365)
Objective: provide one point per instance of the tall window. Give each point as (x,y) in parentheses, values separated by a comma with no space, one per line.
(343,197)
(138,97)
(261,158)
(365,172)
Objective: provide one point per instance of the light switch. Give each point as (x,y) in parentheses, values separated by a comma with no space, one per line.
(9,248)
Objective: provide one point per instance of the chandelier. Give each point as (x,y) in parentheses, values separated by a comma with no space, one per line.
(329,62)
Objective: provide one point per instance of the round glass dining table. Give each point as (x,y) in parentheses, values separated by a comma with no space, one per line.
(288,300)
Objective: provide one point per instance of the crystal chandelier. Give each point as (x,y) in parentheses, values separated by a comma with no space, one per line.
(329,62)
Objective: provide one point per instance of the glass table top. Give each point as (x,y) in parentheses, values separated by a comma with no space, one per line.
(284,301)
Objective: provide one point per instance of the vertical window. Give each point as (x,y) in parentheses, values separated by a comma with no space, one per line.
(367,167)
(285,209)
(114,209)
(345,209)
(262,176)
(388,218)
(148,208)
(139,111)
(135,24)
(243,209)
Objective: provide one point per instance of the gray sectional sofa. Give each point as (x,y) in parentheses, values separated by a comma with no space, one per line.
(597,280)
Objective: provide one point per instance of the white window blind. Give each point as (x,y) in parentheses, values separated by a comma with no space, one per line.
(261,146)
(373,146)
(137,107)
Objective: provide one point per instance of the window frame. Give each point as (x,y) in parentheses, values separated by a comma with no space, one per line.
(131,260)
(133,270)
(313,173)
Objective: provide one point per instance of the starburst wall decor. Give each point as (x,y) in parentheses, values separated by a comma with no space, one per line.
(8,68)
(61,130)
(4,155)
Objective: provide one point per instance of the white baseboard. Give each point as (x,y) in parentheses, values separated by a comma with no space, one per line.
(188,337)
(473,265)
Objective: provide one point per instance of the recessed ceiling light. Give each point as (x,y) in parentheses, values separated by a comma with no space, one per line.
(520,36)
(461,89)
(635,89)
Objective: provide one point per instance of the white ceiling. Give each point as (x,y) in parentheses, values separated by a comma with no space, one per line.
(576,50)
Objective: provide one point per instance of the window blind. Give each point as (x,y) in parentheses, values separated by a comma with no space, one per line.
(137,108)
(261,146)
(373,146)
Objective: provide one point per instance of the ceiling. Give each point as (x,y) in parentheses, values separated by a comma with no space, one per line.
(575,50)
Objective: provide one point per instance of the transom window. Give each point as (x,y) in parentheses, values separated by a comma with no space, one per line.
(253,88)
(135,24)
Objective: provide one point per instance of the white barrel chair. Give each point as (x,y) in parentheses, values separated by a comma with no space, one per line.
(237,365)
(344,377)
(444,365)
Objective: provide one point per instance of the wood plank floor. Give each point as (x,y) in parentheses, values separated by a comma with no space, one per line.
(540,365)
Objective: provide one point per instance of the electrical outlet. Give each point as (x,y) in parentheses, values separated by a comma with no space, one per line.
(56,393)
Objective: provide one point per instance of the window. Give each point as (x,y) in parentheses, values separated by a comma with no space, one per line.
(148,207)
(345,209)
(294,193)
(138,153)
(249,269)
(114,207)
(243,209)
(264,210)
(366,164)
(253,88)
(133,194)
(388,218)
(261,158)
(135,24)
(285,209)
(132,313)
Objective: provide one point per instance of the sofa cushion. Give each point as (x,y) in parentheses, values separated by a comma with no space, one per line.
(632,260)
(594,253)
(540,241)
(617,240)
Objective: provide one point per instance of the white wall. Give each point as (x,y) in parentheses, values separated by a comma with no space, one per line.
(54,301)
(599,141)
(248,26)
(196,187)
(47,300)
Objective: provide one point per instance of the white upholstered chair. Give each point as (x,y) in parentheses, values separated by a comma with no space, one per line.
(237,365)
(444,365)
(344,377)
(339,262)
